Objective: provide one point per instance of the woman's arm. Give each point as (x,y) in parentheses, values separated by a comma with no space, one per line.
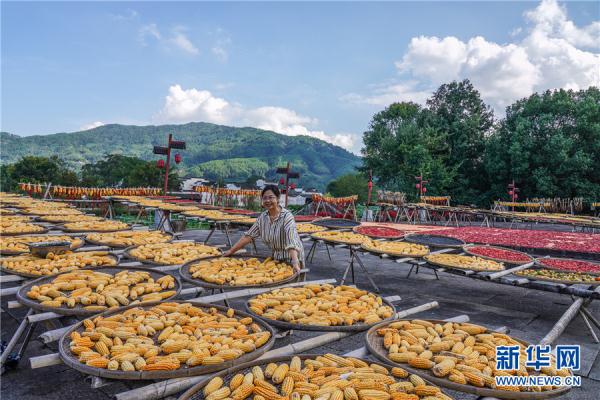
(243,242)
(292,241)
(249,236)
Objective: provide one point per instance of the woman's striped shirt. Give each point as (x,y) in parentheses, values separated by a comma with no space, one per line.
(279,235)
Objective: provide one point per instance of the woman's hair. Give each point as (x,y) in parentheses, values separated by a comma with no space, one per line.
(272,188)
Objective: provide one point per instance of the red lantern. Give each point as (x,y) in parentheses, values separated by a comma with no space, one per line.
(418,185)
(424,190)
(510,192)
(160,163)
(281,181)
(293,186)
(177,158)
(370,185)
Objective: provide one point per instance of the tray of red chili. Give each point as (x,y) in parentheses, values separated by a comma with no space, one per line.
(569,265)
(379,232)
(305,218)
(500,254)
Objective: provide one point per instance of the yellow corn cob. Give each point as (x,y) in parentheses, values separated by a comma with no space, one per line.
(164,365)
(113,365)
(258,373)
(295,396)
(79,349)
(242,391)
(139,364)
(249,378)
(287,386)
(265,385)
(456,378)
(402,357)
(368,384)
(357,362)
(280,373)
(419,362)
(403,386)
(427,390)
(212,360)
(236,381)
(269,369)
(474,379)
(99,362)
(444,367)
(88,324)
(337,395)
(416,380)
(404,396)
(399,372)
(368,394)
(296,364)
(102,348)
(267,394)
(219,394)
(214,384)
(297,376)
(127,366)
(350,394)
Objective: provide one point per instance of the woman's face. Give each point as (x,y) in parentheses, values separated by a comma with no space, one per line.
(269,200)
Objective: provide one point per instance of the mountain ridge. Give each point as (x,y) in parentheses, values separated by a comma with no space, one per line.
(213,151)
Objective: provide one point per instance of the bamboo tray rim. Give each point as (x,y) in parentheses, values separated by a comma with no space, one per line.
(17,253)
(394,254)
(568,283)
(467,247)
(374,345)
(62,228)
(79,310)
(71,361)
(97,243)
(184,272)
(189,394)
(338,328)
(334,241)
(442,265)
(127,253)
(411,237)
(26,275)
(44,230)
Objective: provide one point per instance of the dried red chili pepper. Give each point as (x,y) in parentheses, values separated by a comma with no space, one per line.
(501,254)
(570,265)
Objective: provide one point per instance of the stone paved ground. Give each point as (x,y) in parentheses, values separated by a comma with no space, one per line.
(528,314)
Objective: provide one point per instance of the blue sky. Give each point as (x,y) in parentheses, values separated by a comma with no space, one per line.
(321,69)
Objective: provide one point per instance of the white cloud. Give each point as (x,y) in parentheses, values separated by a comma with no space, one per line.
(181,41)
(91,126)
(128,15)
(220,53)
(552,54)
(177,39)
(186,105)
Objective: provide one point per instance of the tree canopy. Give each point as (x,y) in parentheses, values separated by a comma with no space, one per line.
(548,143)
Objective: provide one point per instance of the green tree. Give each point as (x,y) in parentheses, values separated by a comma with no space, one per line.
(457,110)
(401,144)
(549,144)
(7,183)
(41,170)
(351,184)
(116,170)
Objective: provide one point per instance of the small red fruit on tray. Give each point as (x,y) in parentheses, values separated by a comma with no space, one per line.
(379,232)
(563,264)
(500,254)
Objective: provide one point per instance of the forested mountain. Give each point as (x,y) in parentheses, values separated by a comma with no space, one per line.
(213,151)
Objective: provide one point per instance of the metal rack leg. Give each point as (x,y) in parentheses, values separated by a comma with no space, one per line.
(224,300)
(589,326)
(359,261)
(212,230)
(23,326)
(328,253)
(312,251)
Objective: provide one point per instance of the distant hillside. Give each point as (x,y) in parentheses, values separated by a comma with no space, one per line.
(213,151)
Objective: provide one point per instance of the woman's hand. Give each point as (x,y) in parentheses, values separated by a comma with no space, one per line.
(296,264)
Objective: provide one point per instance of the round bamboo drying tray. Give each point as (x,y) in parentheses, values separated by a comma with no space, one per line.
(70,360)
(43,231)
(339,328)
(16,253)
(418,238)
(127,253)
(26,275)
(62,228)
(79,310)
(391,253)
(466,249)
(184,272)
(96,243)
(399,233)
(375,345)
(442,265)
(196,393)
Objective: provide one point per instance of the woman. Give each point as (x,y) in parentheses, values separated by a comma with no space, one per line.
(277,228)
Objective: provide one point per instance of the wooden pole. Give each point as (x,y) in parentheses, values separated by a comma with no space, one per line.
(168,162)
(562,323)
